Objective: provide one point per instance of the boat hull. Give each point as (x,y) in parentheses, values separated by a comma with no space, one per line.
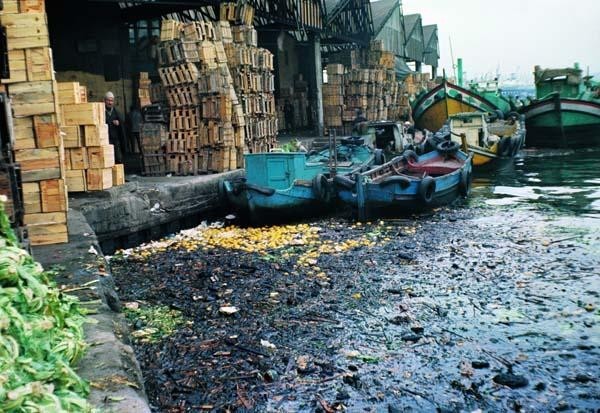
(397,198)
(432,109)
(263,204)
(562,123)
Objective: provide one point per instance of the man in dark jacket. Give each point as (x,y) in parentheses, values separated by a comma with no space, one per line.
(114,120)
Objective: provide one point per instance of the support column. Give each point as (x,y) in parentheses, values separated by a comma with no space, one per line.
(418,66)
(433,72)
(317,80)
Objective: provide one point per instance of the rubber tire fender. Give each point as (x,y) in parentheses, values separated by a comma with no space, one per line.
(390,180)
(321,188)
(499,114)
(448,147)
(344,182)
(426,190)
(464,185)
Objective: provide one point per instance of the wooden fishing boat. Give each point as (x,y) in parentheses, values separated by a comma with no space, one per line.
(566,111)
(408,182)
(284,185)
(433,108)
(492,143)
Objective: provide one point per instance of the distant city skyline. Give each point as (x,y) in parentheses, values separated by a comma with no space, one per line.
(514,35)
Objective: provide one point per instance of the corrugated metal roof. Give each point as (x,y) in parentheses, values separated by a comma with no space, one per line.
(410,21)
(414,45)
(431,53)
(381,11)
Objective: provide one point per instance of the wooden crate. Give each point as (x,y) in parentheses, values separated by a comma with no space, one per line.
(32,200)
(44,234)
(25,30)
(77,158)
(45,218)
(23,133)
(76,180)
(71,136)
(83,114)
(32,98)
(100,157)
(69,93)
(47,132)
(39,164)
(118,174)
(95,135)
(23,6)
(99,179)
(53,194)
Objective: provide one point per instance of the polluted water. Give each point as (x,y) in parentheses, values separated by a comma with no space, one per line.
(490,304)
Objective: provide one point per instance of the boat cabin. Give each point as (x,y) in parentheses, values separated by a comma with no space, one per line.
(473,125)
(567,82)
(389,136)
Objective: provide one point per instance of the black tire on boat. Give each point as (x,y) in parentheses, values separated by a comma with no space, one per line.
(499,114)
(426,190)
(410,156)
(320,187)
(379,157)
(344,182)
(390,180)
(448,147)
(464,185)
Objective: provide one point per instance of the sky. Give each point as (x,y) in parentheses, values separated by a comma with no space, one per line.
(512,36)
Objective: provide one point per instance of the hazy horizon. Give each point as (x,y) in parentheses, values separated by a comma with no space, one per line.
(517,35)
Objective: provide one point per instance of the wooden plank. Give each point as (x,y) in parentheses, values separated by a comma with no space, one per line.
(99,179)
(54,195)
(32,201)
(83,114)
(45,234)
(47,132)
(69,93)
(18,67)
(33,159)
(24,133)
(35,175)
(78,158)
(32,98)
(118,174)
(45,218)
(71,136)
(95,135)
(101,156)
(39,64)
(76,180)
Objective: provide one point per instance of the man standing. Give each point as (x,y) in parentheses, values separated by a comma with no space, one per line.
(115,126)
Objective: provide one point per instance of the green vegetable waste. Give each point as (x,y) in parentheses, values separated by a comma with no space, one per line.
(41,336)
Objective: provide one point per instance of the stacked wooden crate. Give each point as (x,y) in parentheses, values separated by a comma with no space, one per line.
(37,145)
(333,96)
(251,68)
(201,97)
(144,85)
(89,158)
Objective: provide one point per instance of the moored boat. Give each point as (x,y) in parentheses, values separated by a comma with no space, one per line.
(294,184)
(432,109)
(566,111)
(409,182)
(491,142)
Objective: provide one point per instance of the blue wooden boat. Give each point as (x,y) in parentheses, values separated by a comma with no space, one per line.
(294,184)
(409,182)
